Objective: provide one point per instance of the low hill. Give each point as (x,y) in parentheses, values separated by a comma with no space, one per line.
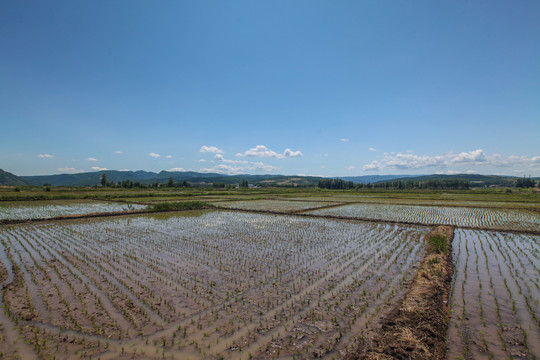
(145,177)
(8,179)
(86,179)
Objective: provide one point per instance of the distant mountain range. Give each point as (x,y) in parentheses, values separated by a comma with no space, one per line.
(147,177)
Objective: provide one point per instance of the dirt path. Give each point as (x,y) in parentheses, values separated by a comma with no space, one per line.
(417,328)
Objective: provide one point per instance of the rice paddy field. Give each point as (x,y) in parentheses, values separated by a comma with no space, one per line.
(482,218)
(275,205)
(12,210)
(206,285)
(315,281)
(495,296)
(365,199)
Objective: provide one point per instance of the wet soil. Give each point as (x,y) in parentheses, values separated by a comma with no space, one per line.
(279,288)
(417,328)
(221,284)
(495,296)
(385,221)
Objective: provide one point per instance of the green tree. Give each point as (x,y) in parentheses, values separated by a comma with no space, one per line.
(104,180)
(171,182)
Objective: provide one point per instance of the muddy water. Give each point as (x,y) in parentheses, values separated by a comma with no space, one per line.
(507,219)
(494,312)
(103,299)
(215,284)
(17,210)
(12,344)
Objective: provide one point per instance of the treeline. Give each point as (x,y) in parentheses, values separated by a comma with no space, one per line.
(336,184)
(128,184)
(442,184)
(435,184)
(525,183)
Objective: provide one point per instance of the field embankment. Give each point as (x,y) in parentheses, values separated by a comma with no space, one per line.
(417,329)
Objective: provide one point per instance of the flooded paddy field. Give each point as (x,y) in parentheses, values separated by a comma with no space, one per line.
(276,205)
(506,219)
(17,210)
(214,285)
(495,296)
(150,201)
(419,201)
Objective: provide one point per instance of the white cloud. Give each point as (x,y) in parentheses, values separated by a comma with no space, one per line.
(478,157)
(259,151)
(263,151)
(177,169)
(372,149)
(154,155)
(202,160)
(344,140)
(239,167)
(68,170)
(210,149)
(92,159)
(97,168)
(411,161)
(449,172)
(220,158)
(513,160)
(351,168)
(124,170)
(259,166)
(118,152)
(168,157)
(45,156)
(375,165)
(223,169)
(290,153)
(468,157)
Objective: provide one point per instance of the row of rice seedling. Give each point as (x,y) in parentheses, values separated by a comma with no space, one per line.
(495,296)
(503,219)
(217,284)
(45,210)
(275,205)
(417,201)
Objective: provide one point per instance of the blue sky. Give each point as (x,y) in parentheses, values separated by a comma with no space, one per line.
(290,87)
